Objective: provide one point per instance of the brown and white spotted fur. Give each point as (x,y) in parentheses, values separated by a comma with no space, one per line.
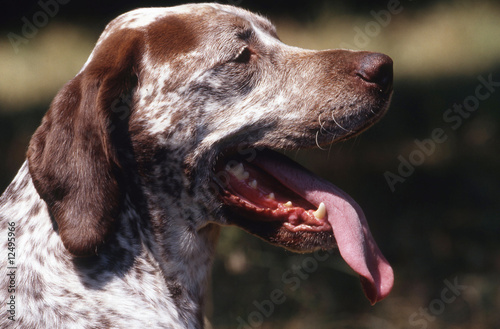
(117,210)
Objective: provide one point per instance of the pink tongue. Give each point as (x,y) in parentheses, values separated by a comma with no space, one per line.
(354,240)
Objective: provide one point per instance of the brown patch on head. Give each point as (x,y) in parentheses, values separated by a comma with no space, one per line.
(171,36)
(120,52)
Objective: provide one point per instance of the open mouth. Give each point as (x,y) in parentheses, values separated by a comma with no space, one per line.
(252,189)
(267,189)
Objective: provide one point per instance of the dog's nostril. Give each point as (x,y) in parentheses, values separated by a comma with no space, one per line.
(376,68)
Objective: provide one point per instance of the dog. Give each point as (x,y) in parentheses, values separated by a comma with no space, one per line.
(171,130)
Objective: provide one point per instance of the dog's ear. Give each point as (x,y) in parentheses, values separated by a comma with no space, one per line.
(73,157)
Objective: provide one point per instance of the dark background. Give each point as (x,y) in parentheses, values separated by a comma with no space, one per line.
(440,225)
(106,10)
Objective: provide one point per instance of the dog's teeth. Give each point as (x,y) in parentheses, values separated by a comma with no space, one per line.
(321,212)
(238,171)
(288,204)
(253,184)
(271,196)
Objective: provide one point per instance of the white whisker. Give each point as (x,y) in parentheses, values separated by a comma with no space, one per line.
(348,130)
(317,143)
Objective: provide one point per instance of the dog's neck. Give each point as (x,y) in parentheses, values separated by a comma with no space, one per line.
(172,227)
(182,252)
(184,258)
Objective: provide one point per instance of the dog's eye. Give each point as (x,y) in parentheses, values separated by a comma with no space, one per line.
(244,56)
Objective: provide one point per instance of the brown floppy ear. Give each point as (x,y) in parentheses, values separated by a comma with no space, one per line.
(72,157)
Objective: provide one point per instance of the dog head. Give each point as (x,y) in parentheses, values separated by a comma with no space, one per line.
(193,102)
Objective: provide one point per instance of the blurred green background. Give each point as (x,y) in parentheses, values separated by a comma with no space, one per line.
(438,226)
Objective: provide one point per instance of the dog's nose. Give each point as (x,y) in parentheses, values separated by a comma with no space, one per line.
(376,68)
